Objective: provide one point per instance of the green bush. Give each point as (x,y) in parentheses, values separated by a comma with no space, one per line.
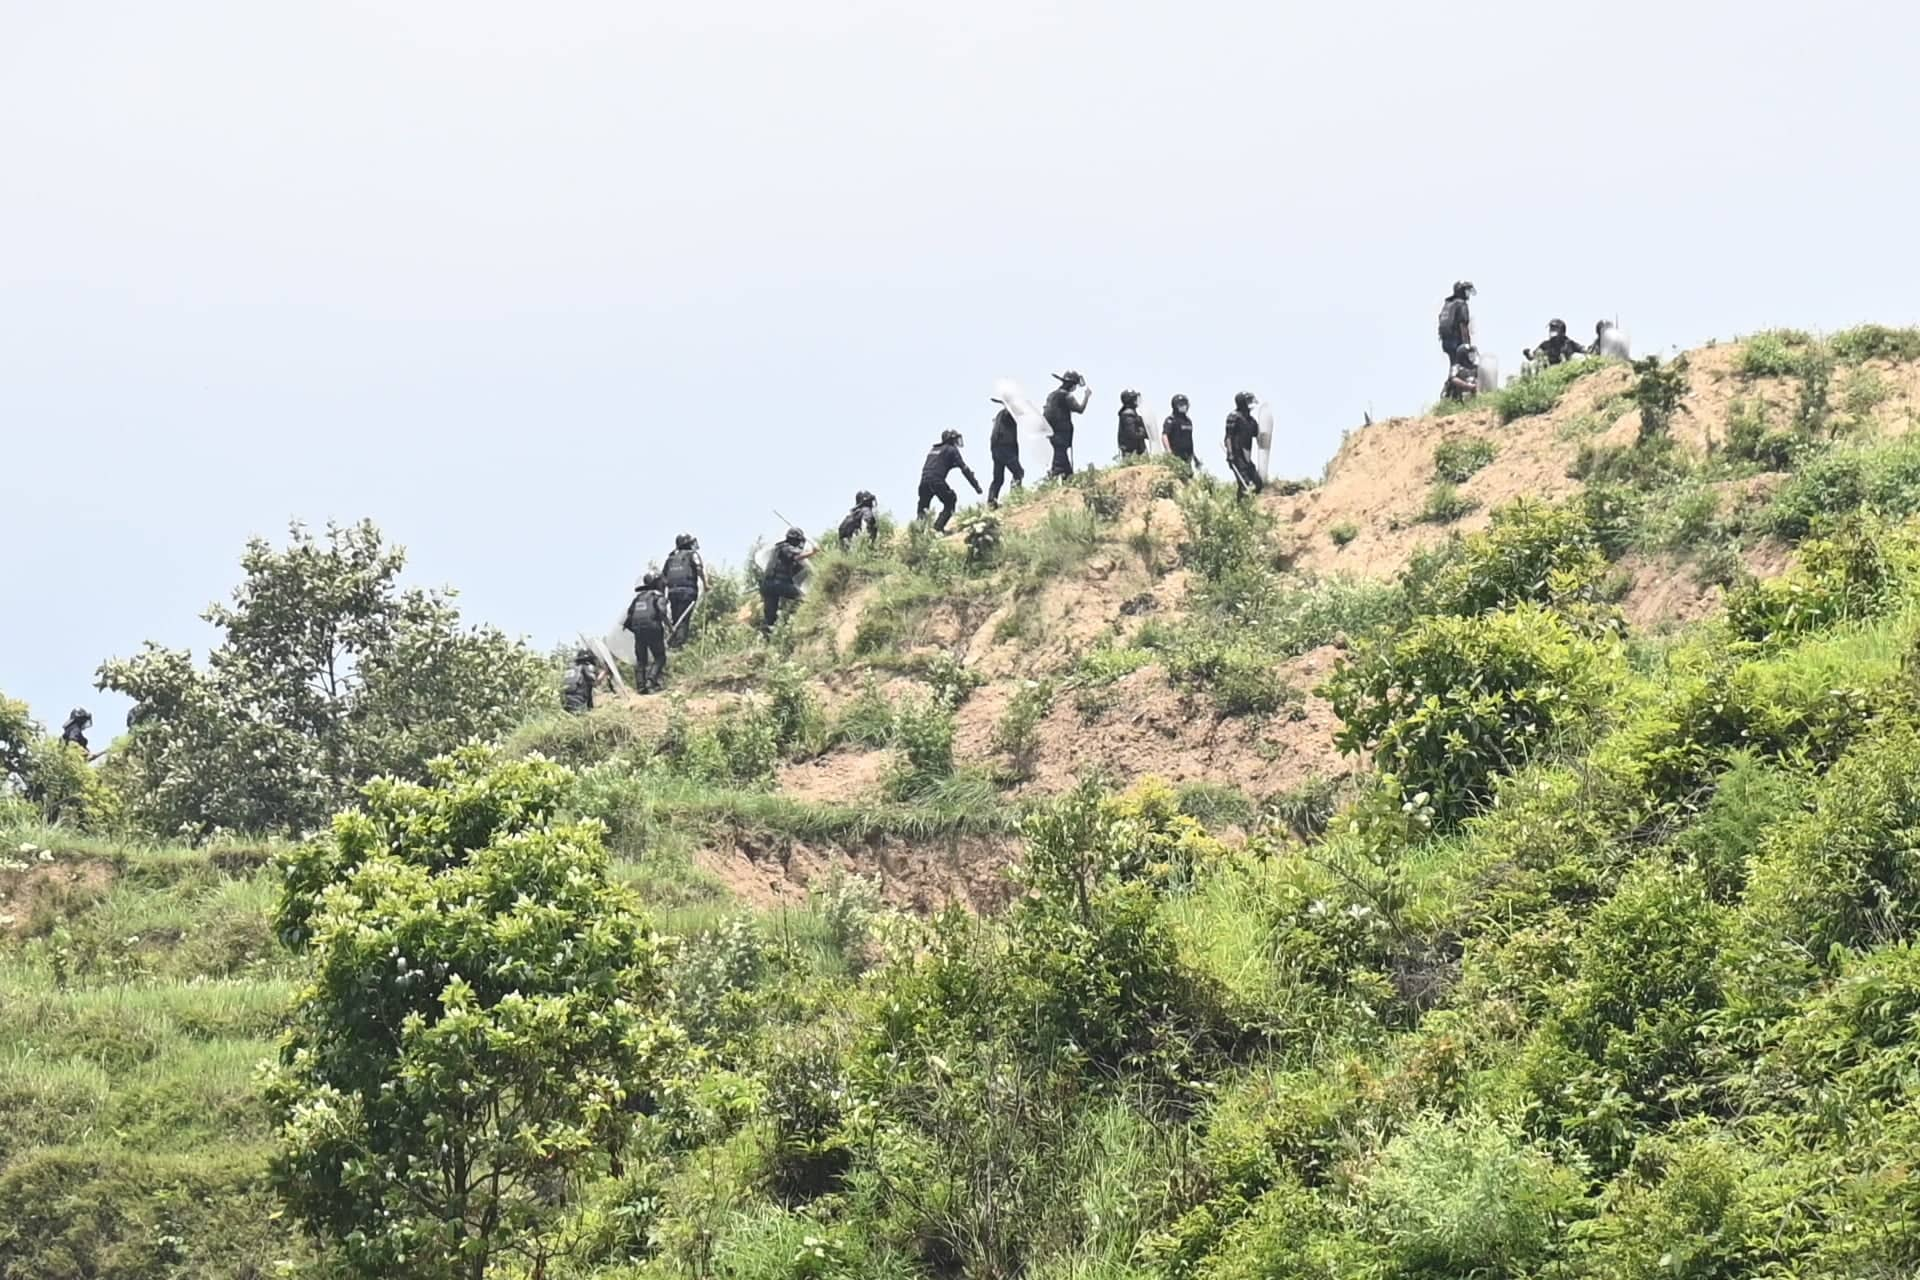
(1539,392)
(1241,678)
(1445,504)
(1875,342)
(1469,1196)
(1530,553)
(1860,570)
(579,740)
(867,719)
(1343,533)
(1458,459)
(1224,535)
(1452,702)
(1017,735)
(923,736)
(1884,476)
(1777,353)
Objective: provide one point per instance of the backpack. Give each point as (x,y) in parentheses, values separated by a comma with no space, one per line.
(646,611)
(1450,319)
(679,568)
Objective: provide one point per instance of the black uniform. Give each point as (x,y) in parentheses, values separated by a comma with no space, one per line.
(861,517)
(1059,412)
(1559,349)
(1005,443)
(576,690)
(1178,430)
(75,732)
(1133,432)
(1463,380)
(1456,319)
(1242,434)
(940,463)
(648,618)
(780,582)
(685,573)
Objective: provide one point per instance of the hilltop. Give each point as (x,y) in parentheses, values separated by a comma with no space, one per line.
(1491,857)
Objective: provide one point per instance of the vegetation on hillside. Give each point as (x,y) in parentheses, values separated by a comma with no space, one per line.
(1605,969)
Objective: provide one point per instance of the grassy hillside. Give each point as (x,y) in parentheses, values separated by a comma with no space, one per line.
(1529,892)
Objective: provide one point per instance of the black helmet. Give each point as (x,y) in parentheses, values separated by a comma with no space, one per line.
(1180,402)
(1469,357)
(1129,398)
(864,498)
(686,542)
(1070,378)
(1243,401)
(950,436)
(80,716)
(651,582)
(796,535)
(1463,289)
(582,657)
(1556,326)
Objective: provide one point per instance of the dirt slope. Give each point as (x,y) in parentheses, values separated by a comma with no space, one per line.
(1375,489)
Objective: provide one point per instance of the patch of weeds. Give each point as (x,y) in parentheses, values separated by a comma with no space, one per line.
(1458,459)
(1445,504)
(923,735)
(1528,396)
(1109,663)
(1216,804)
(1863,391)
(1681,520)
(1017,735)
(1777,353)
(1644,464)
(1751,437)
(952,680)
(1875,342)
(1658,392)
(1307,810)
(1240,678)
(1343,533)
(867,720)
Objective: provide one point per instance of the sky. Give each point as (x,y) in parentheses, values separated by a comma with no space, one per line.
(537,287)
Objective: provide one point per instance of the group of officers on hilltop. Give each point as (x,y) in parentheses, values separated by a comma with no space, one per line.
(660,614)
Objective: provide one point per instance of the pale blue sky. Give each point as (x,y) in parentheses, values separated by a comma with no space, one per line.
(538,286)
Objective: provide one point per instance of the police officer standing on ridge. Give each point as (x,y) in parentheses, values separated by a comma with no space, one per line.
(1558,348)
(647,618)
(1133,427)
(781,581)
(1176,433)
(1456,321)
(941,460)
(1005,444)
(686,578)
(1242,433)
(75,729)
(576,687)
(1065,400)
(863,516)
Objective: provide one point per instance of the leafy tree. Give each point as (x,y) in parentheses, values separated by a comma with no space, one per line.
(328,674)
(479,1024)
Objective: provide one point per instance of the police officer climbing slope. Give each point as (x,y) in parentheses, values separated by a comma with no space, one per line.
(1133,427)
(864,516)
(1242,433)
(648,617)
(1176,433)
(686,578)
(781,581)
(1005,444)
(1065,400)
(1558,348)
(940,463)
(576,687)
(1456,320)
